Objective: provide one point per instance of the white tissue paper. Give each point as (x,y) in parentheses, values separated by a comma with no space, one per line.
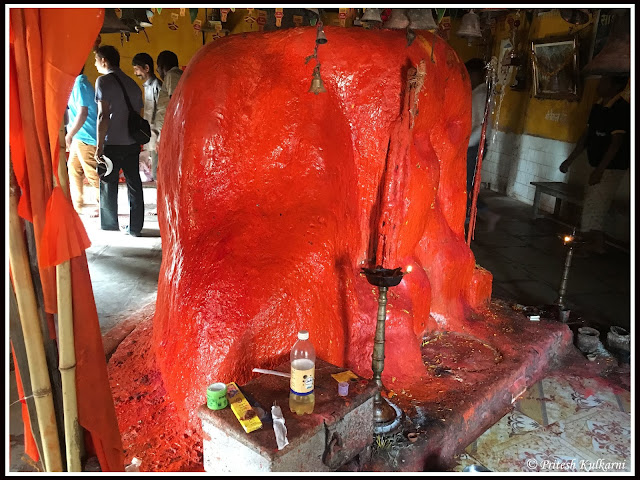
(134,466)
(278,427)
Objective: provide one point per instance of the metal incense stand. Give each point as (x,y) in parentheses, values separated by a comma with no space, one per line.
(572,241)
(383,278)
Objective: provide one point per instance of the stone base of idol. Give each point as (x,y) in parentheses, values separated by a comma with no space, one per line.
(339,429)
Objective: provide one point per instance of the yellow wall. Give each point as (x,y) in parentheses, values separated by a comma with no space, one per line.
(520,112)
(184,42)
(516,111)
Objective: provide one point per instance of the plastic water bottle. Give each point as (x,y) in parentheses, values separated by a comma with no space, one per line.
(303,370)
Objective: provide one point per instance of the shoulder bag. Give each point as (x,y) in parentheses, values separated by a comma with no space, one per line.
(138,126)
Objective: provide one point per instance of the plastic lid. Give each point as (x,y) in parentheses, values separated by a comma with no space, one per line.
(303,335)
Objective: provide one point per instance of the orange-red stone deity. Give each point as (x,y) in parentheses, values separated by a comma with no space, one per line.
(271,199)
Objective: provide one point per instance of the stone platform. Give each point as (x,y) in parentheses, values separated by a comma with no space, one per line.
(472,379)
(339,428)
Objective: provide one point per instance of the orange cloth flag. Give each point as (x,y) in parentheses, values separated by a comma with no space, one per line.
(30,447)
(48,47)
(64,231)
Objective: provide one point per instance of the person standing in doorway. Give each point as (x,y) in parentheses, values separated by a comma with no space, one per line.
(115,142)
(608,146)
(81,141)
(143,69)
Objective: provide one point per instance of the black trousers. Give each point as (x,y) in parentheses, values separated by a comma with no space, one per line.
(125,157)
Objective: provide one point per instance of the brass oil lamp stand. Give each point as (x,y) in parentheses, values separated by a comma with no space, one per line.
(570,241)
(383,278)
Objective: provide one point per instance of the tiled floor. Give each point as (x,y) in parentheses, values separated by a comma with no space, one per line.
(563,423)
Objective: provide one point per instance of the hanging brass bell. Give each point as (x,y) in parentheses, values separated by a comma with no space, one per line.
(575,16)
(615,56)
(421,19)
(398,19)
(317,86)
(136,18)
(512,59)
(372,15)
(470,26)
(112,24)
(321,38)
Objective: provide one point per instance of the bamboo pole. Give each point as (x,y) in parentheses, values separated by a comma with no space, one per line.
(15,333)
(67,365)
(34,346)
(50,342)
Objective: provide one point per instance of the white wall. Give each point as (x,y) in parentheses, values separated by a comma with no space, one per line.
(512,161)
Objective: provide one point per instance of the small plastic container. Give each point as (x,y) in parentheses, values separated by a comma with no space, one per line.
(343,389)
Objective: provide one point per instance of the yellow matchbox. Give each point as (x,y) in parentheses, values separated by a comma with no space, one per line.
(246,415)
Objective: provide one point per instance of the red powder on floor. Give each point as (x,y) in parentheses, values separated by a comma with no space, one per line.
(151,428)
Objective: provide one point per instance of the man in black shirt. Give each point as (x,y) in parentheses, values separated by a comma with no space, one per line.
(609,152)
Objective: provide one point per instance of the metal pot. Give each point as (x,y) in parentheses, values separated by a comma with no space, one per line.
(588,339)
(618,339)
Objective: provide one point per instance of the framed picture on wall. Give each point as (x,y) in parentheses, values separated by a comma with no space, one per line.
(555,68)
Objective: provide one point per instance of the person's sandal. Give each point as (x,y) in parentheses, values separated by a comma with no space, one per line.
(129,232)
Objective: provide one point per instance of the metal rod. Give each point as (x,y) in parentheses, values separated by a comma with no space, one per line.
(377,364)
(565,272)
(490,80)
(565,276)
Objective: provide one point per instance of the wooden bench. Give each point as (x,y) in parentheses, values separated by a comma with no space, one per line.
(562,191)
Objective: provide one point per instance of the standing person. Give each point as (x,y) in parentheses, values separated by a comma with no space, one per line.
(115,142)
(143,69)
(81,140)
(170,74)
(475,68)
(606,139)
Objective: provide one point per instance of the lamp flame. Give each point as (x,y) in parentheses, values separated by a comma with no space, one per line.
(409,268)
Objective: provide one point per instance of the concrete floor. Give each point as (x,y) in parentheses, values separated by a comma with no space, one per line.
(124,270)
(525,256)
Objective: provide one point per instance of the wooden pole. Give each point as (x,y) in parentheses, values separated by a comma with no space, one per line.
(28,310)
(67,365)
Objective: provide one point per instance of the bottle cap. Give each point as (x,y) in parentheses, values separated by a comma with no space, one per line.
(303,335)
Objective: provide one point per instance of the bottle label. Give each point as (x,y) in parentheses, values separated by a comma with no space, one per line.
(302,380)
